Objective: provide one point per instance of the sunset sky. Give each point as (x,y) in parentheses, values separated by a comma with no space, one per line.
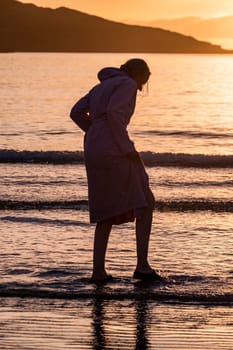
(215,22)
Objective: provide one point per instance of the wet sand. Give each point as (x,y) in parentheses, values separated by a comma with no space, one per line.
(113,324)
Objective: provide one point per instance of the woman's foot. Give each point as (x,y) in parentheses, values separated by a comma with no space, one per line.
(100,276)
(151,276)
(103,279)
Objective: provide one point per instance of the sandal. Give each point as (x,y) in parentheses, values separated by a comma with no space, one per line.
(150,277)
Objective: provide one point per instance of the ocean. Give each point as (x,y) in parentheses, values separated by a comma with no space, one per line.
(182,128)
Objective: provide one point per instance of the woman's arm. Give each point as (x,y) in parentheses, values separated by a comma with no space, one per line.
(79,113)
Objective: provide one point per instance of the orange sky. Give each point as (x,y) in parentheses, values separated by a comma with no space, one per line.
(146,11)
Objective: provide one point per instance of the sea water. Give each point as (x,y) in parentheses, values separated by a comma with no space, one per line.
(182,127)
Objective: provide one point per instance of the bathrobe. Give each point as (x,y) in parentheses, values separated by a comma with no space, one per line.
(117,183)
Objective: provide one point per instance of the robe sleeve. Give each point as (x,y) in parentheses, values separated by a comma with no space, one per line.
(119,110)
(80,113)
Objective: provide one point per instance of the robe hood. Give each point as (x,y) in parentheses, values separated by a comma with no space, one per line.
(110,72)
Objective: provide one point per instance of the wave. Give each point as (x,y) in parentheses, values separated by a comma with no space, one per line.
(187,160)
(160,205)
(149,158)
(44,221)
(174,289)
(41,132)
(193,184)
(190,134)
(48,157)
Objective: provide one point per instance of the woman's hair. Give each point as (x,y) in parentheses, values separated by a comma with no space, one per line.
(135,67)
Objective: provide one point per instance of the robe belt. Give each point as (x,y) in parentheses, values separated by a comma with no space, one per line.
(100,118)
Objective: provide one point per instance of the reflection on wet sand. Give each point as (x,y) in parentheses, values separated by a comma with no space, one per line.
(142,319)
(107,337)
(98,325)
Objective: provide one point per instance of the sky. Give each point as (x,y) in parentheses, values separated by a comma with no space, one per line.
(212,13)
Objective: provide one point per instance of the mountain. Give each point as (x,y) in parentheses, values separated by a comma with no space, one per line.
(218,30)
(28,28)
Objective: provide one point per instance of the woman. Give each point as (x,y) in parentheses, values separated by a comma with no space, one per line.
(118,186)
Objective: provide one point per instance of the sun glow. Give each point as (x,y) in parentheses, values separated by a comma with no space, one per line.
(149,9)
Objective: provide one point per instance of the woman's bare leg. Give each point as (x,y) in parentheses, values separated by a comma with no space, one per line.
(102,232)
(143,230)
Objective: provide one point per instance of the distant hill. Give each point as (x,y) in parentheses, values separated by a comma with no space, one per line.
(216,27)
(28,28)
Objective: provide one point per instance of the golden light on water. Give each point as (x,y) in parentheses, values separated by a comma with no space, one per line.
(47,251)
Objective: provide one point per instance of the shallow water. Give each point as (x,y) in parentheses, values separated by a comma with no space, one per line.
(46,298)
(54,248)
(68,182)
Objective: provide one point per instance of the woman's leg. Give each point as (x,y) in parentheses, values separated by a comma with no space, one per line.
(102,232)
(143,229)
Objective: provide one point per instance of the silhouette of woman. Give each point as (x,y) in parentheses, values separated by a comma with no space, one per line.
(118,185)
